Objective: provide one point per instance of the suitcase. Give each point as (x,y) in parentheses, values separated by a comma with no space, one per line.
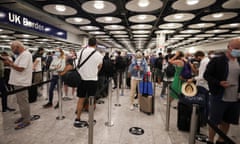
(146,104)
(184,116)
(146,99)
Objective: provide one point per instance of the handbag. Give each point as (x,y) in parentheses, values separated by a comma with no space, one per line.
(72,78)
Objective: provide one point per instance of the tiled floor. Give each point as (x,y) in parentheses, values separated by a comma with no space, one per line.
(48,130)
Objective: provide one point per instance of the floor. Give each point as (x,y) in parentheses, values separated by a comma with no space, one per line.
(48,130)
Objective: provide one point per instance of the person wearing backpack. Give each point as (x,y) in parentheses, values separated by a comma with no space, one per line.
(169,71)
(158,68)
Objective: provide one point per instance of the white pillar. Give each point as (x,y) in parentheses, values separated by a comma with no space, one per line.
(85,42)
(160,42)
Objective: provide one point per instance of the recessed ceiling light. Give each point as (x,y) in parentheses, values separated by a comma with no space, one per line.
(47,29)
(170,24)
(3,36)
(25,35)
(234,25)
(59,33)
(78,19)
(1,30)
(2,15)
(142,17)
(99,4)
(60,8)
(217,15)
(178,16)
(108,18)
(143,3)
(201,24)
(192,2)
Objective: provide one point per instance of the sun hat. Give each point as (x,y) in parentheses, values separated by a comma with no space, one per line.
(189,89)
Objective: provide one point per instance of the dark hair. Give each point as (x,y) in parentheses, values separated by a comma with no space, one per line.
(199,53)
(92,41)
(169,50)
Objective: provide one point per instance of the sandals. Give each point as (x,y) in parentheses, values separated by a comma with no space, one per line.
(19,120)
(22,125)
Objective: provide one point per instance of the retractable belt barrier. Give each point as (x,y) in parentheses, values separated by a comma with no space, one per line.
(25,88)
(193,126)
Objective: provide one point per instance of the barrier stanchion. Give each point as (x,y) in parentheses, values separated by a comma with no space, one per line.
(91,120)
(109,123)
(193,126)
(122,84)
(60,113)
(48,75)
(154,84)
(168,108)
(118,80)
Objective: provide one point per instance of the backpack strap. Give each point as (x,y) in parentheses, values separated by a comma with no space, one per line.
(79,60)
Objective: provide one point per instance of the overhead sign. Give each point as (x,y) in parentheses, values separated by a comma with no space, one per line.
(19,20)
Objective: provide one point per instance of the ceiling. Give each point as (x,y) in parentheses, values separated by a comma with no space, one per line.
(135,24)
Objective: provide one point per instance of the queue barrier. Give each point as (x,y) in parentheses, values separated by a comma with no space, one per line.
(194,123)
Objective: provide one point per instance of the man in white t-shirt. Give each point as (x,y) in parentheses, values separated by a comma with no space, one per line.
(21,77)
(89,73)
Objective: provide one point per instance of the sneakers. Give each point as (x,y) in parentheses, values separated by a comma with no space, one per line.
(48,105)
(80,124)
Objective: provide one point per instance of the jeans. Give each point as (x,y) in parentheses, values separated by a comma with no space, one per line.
(53,83)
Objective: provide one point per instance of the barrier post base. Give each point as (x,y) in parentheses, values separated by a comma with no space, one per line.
(60,117)
(109,124)
(117,105)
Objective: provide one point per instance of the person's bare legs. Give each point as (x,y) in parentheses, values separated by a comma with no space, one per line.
(80,107)
(224,127)
(211,134)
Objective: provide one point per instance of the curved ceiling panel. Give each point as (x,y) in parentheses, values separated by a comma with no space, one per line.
(59,9)
(98,7)
(179,17)
(143,18)
(78,20)
(143,5)
(219,16)
(187,5)
(231,4)
(108,20)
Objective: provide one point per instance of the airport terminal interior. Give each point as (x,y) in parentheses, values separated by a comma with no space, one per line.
(151,26)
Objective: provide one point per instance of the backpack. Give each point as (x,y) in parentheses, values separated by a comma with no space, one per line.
(120,63)
(170,70)
(186,72)
(108,67)
(158,63)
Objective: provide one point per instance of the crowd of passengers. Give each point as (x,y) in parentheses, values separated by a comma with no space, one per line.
(217,72)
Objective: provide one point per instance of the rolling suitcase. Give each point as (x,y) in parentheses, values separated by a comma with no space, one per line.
(146,99)
(184,116)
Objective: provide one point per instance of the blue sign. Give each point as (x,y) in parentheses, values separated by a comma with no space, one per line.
(16,19)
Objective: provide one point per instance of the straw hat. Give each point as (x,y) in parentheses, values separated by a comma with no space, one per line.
(189,89)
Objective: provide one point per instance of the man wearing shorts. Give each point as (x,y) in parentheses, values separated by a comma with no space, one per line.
(89,74)
(222,74)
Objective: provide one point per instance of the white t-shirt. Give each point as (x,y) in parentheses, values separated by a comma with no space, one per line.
(38,67)
(89,70)
(23,78)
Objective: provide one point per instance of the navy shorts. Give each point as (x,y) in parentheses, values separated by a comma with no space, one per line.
(87,88)
(224,111)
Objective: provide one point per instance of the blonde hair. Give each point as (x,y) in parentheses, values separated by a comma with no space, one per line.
(17,43)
